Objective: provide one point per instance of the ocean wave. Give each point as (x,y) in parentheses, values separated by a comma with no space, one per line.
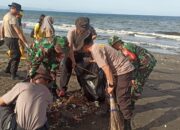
(164,35)
(155,45)
(157,35)
(169,33)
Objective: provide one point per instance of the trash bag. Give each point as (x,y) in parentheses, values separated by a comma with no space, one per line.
(92,80)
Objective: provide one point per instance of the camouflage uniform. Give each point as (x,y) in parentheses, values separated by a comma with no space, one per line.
(44,54)
(144,64)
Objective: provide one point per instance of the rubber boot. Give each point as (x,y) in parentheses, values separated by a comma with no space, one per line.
(8,68)
(14,69)
(127,124)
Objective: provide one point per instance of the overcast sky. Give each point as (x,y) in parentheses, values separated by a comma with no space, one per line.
(139,7)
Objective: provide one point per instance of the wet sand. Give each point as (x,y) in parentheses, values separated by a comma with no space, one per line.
(158,109)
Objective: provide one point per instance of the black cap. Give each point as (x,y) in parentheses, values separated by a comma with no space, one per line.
(16,5)
(82,22)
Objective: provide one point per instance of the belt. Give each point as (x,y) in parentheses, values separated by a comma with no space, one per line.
(11,38)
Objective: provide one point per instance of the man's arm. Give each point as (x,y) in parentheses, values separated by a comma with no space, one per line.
(108,73)
(109,77)
(20,34)
(2,32)
(71,52)
(11,95)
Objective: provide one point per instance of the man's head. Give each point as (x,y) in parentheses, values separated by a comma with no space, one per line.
(116,42)
(15,8)
(41,18)
(61,45)
(82,24)
(41,77)
(88,42)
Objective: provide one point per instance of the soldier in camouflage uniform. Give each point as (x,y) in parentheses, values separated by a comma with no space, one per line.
(143,61)
(48,55)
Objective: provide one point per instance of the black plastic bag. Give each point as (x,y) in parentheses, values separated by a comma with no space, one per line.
(92,80)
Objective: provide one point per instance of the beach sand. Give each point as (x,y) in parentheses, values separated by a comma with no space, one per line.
(158,109)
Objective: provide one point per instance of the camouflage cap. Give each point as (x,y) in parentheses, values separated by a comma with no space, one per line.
(62,42)
(113,40)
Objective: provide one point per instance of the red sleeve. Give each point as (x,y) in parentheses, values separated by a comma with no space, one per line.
(129,54)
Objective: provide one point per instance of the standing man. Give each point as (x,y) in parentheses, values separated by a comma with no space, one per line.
(31,101)
(12,33)
(118,71)
(76,38)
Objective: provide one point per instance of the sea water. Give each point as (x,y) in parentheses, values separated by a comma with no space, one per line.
(156,33)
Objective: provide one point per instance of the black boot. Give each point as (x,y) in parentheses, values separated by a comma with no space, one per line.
(8,68)
(127,124)
(14,68)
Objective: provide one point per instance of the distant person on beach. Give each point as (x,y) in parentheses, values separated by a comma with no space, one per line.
(24,107)
(142,59)
(118,70)
(76,38)
(47,28)
(37,33)
(11,34)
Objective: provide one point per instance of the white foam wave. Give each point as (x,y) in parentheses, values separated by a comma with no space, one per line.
(66,27)
(155,45)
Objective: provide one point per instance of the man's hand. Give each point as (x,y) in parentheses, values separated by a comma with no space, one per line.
(110,90)
(2,103)
(20,34)
(74,65)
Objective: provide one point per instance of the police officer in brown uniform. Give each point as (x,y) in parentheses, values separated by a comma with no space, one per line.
(11,33)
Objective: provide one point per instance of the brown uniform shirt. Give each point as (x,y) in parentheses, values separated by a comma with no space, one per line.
(77,40)
(8,21)
(106,55)
(32,101)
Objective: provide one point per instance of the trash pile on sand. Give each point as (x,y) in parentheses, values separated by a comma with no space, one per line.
(70,109)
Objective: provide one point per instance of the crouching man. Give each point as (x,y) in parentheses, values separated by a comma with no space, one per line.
(31,101)
(118,71)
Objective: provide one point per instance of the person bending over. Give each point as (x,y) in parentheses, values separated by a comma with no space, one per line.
(76,38)
(141,58)
(24,107)
(50,56)
(118,71)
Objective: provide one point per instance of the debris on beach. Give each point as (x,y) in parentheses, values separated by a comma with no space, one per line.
(70,109)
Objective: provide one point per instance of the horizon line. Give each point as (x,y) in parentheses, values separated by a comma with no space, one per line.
(100,13)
